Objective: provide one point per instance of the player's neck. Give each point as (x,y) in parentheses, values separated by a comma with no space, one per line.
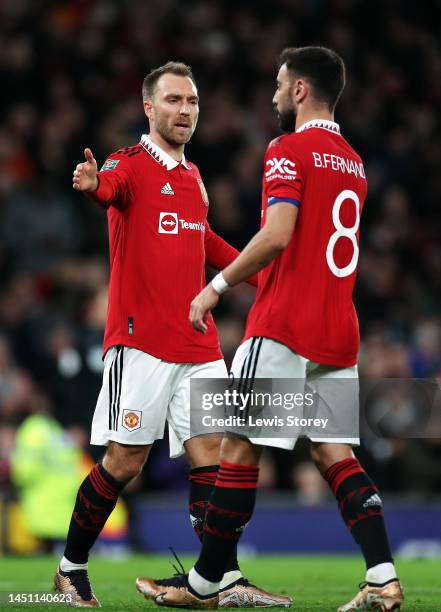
(305,116)
(177,151)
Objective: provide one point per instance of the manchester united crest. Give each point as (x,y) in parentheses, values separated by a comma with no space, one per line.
(204,193)
(131,419)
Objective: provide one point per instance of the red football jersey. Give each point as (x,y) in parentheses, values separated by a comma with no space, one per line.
(304,297)
(159,241)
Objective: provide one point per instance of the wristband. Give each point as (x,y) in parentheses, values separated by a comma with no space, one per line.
(219,284)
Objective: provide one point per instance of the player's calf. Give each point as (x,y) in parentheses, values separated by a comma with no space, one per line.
(361,508)
(96,499)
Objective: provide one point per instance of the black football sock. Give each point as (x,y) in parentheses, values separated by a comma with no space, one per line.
(229,510)
(361,508)
(96,498)
(202,481)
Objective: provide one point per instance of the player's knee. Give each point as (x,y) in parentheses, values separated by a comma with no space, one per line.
(239,450)
(315,455)
(125,463)
(129,470)
(325,455)
(203,450)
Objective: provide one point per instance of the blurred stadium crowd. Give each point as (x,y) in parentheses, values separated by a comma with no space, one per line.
(71,74)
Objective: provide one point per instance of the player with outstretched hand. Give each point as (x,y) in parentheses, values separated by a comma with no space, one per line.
(303,324)
(159,242)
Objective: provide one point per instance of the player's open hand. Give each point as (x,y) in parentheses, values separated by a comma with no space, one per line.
(84,176)
(201,306)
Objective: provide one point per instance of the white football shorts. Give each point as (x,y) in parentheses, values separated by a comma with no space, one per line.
(140,393)
(266,358)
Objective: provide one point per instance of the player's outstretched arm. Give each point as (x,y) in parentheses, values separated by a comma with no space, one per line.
(85,174)
(265,246)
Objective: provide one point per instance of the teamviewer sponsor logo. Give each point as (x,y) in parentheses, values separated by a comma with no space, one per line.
(168,223)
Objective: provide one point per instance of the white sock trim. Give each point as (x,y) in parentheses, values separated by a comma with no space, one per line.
(200,585)
(230,577)
(68,566)
(383,572)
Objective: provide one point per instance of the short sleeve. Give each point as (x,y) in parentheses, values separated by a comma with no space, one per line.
(283,174)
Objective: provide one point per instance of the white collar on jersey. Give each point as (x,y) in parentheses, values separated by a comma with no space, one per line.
(160,155)
(331,126)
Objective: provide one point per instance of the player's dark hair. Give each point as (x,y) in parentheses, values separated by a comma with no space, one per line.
(323,68)
(177,68)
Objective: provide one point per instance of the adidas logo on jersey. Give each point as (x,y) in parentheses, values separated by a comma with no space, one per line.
(167,189)
(374,500)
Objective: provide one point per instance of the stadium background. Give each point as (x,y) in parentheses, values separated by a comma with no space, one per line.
(71,75)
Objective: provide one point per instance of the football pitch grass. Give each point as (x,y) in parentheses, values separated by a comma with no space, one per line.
(317,583)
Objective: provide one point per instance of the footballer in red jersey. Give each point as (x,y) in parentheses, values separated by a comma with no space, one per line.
(304,298)
(160,241)
(303,324)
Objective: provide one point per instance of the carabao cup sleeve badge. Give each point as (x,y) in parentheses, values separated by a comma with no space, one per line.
(110,164)
(204,193)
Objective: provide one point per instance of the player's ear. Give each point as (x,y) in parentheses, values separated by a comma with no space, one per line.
(300,90)
(148,109)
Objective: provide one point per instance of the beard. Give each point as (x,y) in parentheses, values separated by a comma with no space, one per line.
(171,135)
(287,119)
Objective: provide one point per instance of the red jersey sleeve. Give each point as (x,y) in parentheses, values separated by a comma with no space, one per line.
(219,254)
(114,182)
(283,177)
